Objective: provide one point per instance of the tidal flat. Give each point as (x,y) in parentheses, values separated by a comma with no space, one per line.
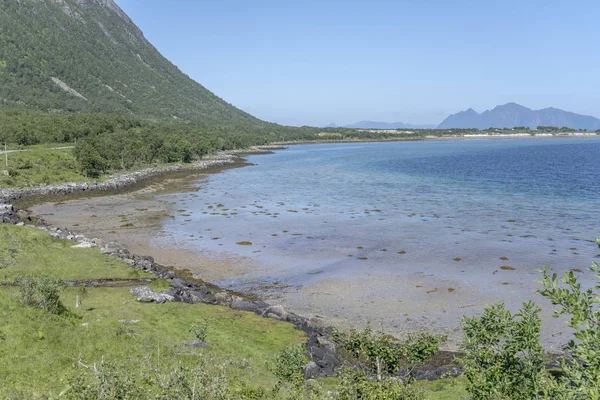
(408,236)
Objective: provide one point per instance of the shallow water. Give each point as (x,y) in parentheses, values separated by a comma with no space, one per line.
(534,202)
(481,217)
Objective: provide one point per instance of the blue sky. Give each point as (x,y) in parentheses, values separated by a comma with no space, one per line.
(316,62)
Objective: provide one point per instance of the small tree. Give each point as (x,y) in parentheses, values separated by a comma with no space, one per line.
(581,370)
(503,358)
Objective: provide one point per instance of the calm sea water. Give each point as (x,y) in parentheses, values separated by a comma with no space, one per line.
(450,208)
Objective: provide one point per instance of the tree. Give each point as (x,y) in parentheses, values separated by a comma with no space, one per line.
(503,358)
(581,369)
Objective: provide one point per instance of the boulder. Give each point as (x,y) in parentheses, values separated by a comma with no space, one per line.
(326,343)
(311,370)
(84,245)
(178,283)
(277,312)
(223,298)
(244,305)
(146,295)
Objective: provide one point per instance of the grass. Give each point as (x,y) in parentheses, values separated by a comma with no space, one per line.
(37,252)
(444,389)
(37,165)
(39,350)
(111,325)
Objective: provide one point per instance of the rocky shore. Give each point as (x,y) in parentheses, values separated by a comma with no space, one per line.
(116,183)
(320,346)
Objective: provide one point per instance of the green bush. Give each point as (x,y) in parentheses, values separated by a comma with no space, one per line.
(41,292)
(503,358)
(581,369)
(200,329)
(378,360)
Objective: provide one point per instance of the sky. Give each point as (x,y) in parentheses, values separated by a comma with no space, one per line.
(342,61)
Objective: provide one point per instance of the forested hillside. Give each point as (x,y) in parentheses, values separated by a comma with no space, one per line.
(88,56)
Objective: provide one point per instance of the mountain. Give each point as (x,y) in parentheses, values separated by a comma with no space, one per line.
(511,115)
(387,125)
(88,56)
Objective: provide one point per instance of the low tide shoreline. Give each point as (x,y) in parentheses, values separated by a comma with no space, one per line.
(132,215)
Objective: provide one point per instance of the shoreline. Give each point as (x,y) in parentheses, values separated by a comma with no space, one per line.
(203,266)
(449,138)
(130,181)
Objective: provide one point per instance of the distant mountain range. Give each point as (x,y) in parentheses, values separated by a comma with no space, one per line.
(513,115)
(509,115)
(382,125)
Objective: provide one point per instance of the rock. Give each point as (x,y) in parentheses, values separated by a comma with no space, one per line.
(84,245)
(311,370)
(20,224)
(244,305)
(129,321)
(23,215)
(326,343)
(198,344)
(223,298)
(146,295)
(178,283)
(278,311)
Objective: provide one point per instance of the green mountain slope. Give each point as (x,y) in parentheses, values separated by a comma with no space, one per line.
(88,56)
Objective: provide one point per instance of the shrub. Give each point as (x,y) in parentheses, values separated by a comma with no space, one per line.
(503,358)
(287,366)
(200,329)
(378,360)
(581,369)
(41,292)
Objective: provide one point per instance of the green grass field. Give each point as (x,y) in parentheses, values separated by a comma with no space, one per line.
(35,343)
(40,352)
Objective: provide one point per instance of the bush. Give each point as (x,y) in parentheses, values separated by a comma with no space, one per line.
(503,358)
(200,329)
(379,360)
(41,292)
(287,367)
(581,369)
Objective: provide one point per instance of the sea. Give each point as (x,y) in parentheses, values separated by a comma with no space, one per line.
(485,212)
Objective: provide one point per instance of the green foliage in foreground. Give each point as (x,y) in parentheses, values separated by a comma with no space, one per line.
(145,340)
(114,347)
(504,360)
(382,366)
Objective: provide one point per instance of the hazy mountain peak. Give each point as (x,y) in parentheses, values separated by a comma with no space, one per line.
(510,115)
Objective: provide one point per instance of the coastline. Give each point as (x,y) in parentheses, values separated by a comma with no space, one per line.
(137,205)
(473,137)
